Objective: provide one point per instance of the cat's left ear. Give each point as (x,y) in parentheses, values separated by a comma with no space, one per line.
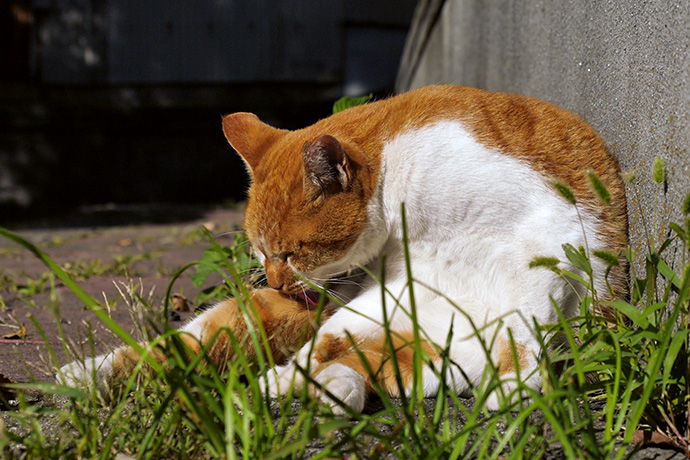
(249,136)
(327,168)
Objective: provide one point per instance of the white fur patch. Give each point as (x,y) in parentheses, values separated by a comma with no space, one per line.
(93,374)
(281,380)
(343,383)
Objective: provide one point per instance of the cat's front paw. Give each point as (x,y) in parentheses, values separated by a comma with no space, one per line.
(345,384)
(91,374)
(507,396)
(280,381)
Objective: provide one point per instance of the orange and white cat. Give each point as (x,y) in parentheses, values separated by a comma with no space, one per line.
(474,170)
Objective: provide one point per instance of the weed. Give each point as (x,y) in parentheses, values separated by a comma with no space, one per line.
(7,282)
(122,265)
(29,288)
(215,259)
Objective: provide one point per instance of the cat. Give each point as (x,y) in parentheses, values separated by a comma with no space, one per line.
(475,172)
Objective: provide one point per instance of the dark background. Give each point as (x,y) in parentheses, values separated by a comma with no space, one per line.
(120,101)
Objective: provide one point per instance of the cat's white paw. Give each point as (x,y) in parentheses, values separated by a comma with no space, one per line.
(280,381)
(92,374)
(345,384)
(495,400)
(506,396)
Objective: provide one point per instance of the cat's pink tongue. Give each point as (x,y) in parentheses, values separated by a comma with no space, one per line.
(309,297)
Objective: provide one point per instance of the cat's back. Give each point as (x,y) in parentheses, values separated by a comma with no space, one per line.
(525,127)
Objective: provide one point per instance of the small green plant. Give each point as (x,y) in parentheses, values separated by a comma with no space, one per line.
(122,265)
(217,257)
(7,282)
(30,287)
(347,102)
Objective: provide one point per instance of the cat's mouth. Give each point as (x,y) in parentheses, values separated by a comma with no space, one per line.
(309,296)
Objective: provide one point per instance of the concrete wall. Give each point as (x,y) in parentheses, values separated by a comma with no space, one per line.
(622,65)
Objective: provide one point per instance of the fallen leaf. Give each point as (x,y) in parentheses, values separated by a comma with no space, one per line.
(126,242)
(179,302)
(19,334)
(644,437)
(210,225)
(657,439)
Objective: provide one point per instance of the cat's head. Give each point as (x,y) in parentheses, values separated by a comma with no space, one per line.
(307,205)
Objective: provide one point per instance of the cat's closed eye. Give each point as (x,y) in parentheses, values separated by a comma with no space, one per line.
(285,256)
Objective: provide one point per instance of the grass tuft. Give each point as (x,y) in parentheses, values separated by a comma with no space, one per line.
(658,170)
(565,191)
(599,187)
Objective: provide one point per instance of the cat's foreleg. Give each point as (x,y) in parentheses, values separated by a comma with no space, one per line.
(291,377)
(286,322)
(343,368)
(346,369)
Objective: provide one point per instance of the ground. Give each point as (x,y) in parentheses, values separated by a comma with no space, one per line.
(108,248)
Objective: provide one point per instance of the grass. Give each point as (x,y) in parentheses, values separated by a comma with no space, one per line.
(79,270)
(191,410)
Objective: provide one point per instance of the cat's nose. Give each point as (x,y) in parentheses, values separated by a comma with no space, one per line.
(273,276)
(275,282)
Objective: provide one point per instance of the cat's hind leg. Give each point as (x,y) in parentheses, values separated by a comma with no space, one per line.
(287,324)
(516,365)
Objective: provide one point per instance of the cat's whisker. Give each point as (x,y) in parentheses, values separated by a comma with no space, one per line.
(345,282)
(317,285)
(260,281)
(336,295)
(343,275)
(339,280)
(228,233)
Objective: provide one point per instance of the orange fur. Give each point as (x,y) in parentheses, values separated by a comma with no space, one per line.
(506,358)
(288,324)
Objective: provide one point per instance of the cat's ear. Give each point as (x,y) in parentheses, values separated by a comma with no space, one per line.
(327,169)
(249,136)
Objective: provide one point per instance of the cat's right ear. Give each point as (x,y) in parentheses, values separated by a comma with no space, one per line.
(249,136)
